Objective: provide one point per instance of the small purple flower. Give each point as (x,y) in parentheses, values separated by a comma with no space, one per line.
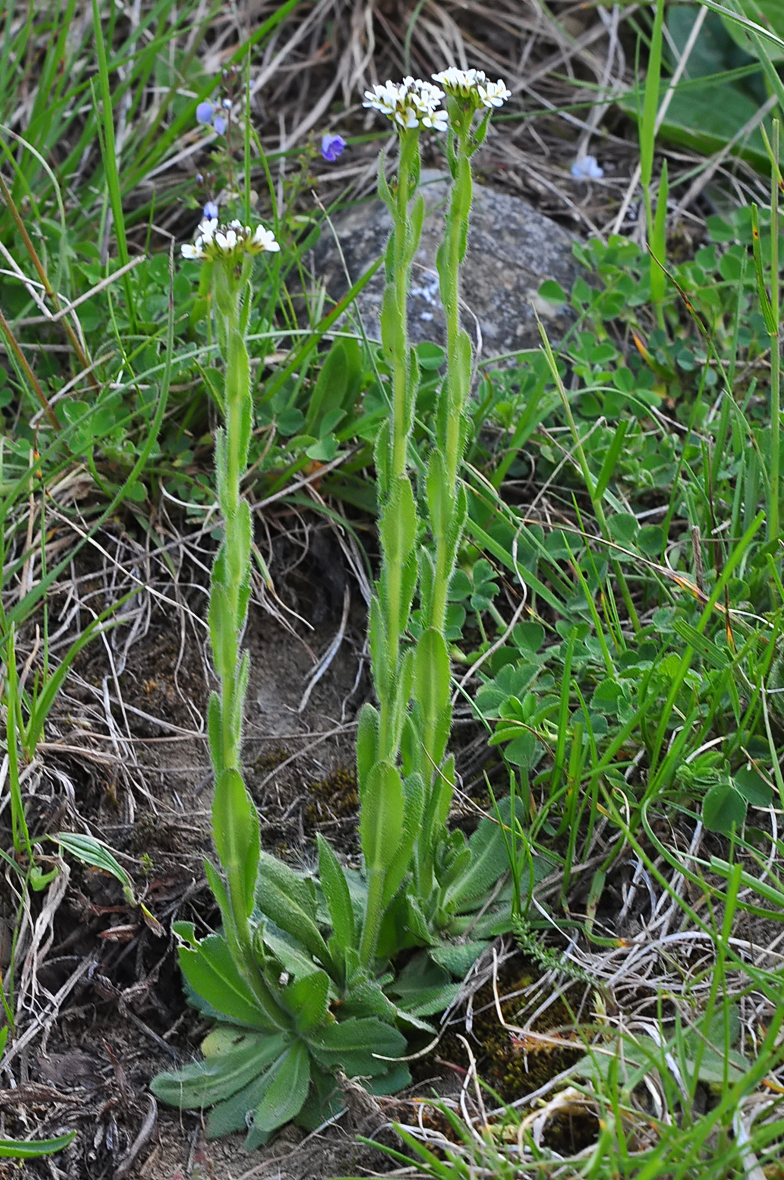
(219,123)
(332,146)
(204,112)
(211,211)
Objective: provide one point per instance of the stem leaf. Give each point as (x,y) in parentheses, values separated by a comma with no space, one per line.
(381,816)
(235,826)
(336,894)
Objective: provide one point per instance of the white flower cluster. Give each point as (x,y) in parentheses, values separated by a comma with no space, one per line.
(227,241)
(410,103)
(473,83)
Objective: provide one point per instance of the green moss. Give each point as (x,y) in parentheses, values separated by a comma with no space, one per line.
(333,798)
(513,1068)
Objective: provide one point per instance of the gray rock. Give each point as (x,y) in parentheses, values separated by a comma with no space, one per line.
(512,249)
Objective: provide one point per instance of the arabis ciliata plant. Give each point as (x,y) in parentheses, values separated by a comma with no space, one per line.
(406,781)
(302,976)
(467,93)
(269,976)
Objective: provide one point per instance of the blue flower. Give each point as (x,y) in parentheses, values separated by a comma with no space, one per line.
(211,211)
(586,169)
(211,116)
(332,146)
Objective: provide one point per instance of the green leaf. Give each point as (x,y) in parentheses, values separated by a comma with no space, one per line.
(431,673)
(307,1000)
(723,809)
(212,973)
(623,528)
(389,319)
(379,651)
(290,421)
(291,903)
(440,497)
(552,291)
(659,240)
(94,852)
(300,889)
(423,987)
(336,894)
(284,1092)
(293,957)
(324,450)
(203,1083)
(413,811)
(215,731)
(753,787)
(367,740)
(457,958)
(430,356)
(381,816)
(416,216)
(395,1079)
(522,750)
(488,863)
(650,540)
(768,13)
(223,635)
(330,389)
(651,97)
(759,270)
(352,1043)
(235,827)
(324,1099)
(30,1149)
(232,1113)
(399,522)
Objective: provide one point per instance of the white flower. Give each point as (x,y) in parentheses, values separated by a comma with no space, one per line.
(411,103)
(264,239)
(437,121)
(493,94)
(229,241)
(460,83)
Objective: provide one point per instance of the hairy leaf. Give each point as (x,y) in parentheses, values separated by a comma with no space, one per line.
(291,903)
(381,818)
(336,894)
(307,1000)
(235,827)
(211,972)
(284,1093)
(203,1083)
(353,1043)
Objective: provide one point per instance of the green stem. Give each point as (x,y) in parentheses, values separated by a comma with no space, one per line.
(14,729)
(372,919)
(398,347)
(775,345)
(454,393)
(401,281)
